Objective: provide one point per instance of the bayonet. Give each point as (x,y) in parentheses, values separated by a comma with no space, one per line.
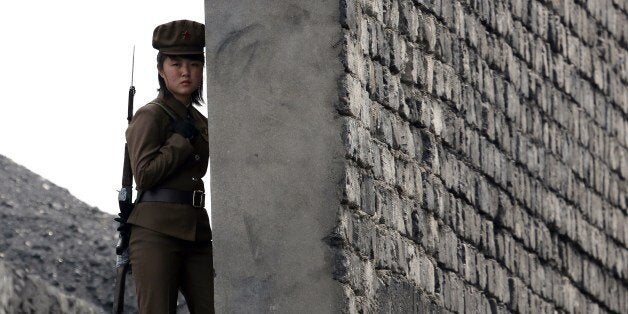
(129,115)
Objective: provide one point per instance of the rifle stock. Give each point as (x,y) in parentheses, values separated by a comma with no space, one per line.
(118,301)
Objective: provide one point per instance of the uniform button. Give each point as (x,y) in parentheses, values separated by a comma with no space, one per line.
(194,179)
(197,157)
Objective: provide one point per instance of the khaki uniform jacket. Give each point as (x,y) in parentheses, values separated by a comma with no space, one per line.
(161,158)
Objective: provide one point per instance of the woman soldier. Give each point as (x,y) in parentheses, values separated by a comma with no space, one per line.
(170,246)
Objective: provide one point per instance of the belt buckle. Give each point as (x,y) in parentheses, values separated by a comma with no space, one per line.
(198,198)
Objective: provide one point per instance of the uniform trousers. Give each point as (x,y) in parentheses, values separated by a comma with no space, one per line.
(162,265)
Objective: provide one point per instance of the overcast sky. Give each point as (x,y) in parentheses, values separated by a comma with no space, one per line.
(66,71)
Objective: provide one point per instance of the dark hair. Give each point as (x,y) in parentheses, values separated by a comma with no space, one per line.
(197,95)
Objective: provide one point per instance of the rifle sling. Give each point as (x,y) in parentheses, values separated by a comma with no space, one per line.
(172,116)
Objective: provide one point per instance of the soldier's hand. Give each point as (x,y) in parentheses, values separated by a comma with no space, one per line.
(186,129)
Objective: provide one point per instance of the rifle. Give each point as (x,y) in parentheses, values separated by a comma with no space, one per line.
(125,201)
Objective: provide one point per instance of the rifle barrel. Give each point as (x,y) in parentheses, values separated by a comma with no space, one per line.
(129,115)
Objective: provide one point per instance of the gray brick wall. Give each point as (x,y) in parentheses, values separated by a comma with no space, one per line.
(486,147)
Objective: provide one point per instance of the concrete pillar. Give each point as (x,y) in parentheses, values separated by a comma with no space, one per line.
(276,153)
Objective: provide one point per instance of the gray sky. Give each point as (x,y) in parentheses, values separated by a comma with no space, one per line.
(66,71)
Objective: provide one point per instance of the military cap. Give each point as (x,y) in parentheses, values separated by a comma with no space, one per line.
(179,37)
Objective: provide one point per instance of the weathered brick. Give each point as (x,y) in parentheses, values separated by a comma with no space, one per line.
(440,200)
(427,275)
(481,270)
(487,238)
(448,249)
(368,196)
(357,142)
(350,15)
(388,166)
(437,121)
(426,76)
(375,84)
(351,187)
(398,48)
(402,137)
(390,209)
(427,32)
(430,151)
(472,300)
(408,19)
(487,198)
(362,233)
(519,296)
(522,263)
(413,65)
(373,8)
(381,119)
(472,226)
(468,265)
(443,46)
(494,280)
(352,96)
(428,231)
(376,161)
(391,95)
(404,173)
(418,181)
(452,290)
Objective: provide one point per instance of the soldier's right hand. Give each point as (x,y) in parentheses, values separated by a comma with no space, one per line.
(186,129)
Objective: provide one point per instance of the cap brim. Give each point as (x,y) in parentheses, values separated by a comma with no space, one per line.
(181,51)
(174,53)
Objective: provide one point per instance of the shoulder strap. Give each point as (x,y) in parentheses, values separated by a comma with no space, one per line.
(168,112)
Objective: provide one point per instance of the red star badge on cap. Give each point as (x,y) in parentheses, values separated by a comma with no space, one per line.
(186,35)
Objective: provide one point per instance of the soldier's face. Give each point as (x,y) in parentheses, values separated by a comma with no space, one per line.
(182,76)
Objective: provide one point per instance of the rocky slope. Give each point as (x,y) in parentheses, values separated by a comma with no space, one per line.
(26,293)
(56,252)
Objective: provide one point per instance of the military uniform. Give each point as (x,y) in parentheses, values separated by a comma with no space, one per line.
(170,246)
(162,159)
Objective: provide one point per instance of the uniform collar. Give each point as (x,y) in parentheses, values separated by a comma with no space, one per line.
(178,107)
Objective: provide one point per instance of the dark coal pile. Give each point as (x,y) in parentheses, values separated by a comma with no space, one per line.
(27,293)
(49,234)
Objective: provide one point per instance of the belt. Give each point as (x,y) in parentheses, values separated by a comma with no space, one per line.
(195,198)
